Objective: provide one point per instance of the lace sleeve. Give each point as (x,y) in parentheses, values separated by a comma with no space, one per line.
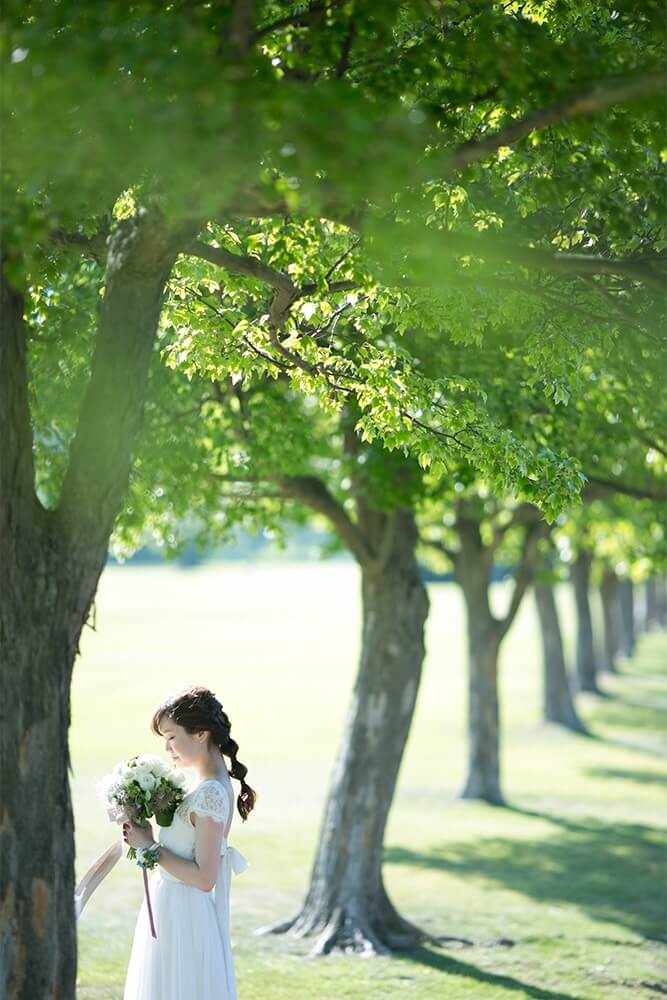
(210,800)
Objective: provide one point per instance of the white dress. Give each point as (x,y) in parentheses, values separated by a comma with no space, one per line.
(192,954)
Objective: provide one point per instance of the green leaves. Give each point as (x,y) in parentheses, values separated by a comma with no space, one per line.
(476,306)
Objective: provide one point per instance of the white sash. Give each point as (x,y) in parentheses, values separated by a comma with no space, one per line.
(231,862)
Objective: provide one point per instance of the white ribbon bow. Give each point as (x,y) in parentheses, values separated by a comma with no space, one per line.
(238,862)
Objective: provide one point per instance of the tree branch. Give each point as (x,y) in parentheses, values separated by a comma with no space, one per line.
(94,246)
(524,573)
(379,561)
(141,254)
(330,288)
(313,493)
(238,264)
(491,247)
(440,547)
(296,20)
(616,90)
(660,448)
(525,514)
(597,489)
(285,291)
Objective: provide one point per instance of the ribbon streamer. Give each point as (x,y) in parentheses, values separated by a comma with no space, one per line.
(95,875)
(148,903)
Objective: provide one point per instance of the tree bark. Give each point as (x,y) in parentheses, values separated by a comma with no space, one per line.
(347,905)
(558,705)
(483,777)
(626,617)
(661,600)
(485,633)
(37,940)
(586,665)
(650,604)
(473,569)
(51,562)
(610,616)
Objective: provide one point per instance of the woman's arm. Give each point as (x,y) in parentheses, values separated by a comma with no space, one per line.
(203,871)
(208,839)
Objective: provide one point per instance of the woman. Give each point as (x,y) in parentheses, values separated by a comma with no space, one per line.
(191,956)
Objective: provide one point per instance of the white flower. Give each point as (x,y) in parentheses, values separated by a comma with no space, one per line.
(145,779)
(149,773)
(152,762)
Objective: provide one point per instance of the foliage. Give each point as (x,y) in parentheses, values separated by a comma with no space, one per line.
(383,193)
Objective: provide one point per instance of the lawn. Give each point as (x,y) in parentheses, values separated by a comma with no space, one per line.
(558,896)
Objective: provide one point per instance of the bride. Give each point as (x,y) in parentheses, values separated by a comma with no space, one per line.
(191,955)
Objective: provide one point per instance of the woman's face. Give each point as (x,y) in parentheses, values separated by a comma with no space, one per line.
(184,748)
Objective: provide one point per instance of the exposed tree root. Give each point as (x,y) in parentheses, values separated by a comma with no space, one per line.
(477,791)
(352,929)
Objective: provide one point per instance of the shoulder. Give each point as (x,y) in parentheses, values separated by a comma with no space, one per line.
(210,798)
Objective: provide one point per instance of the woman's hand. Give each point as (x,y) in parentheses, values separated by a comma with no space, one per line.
(138,836)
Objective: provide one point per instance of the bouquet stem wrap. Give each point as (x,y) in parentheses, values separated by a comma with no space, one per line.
(148,904)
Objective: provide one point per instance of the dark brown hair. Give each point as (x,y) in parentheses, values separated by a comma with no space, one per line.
(195,710)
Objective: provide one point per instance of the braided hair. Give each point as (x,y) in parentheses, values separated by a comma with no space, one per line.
(197,709)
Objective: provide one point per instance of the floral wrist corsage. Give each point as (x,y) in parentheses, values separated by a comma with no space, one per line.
(147,857)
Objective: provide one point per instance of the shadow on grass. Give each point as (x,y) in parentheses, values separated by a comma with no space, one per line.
(653,748)
(613,872)
(454,967)
(635,710)
(624,713)
(648,660)
(628,774)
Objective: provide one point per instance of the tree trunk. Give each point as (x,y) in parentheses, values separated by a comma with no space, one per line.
(558,702)
(483,633)
(661,600)
(39,634)
(51,562)
(610,615)
(626,617)
(650,604)
(483,777)
(586,667)
(37,939)
(346,904)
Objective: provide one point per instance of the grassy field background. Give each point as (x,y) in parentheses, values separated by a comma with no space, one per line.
(561,895)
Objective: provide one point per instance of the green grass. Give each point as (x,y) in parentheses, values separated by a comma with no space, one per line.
(560,895)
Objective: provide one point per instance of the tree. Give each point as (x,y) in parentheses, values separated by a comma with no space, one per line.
(610,618)
(586,661)
(558,703)
(52,559)
(244,101)
(235,457)
(480,525)
(617,540)
(627,616)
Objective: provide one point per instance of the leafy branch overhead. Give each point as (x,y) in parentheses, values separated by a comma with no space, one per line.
(373,218)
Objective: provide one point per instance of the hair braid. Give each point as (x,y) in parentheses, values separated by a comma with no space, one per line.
(247,797)
(198,709)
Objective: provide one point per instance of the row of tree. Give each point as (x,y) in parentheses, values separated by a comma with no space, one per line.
(253,267)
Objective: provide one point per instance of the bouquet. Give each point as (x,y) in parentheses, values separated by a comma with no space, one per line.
(136,790)
(140,788)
